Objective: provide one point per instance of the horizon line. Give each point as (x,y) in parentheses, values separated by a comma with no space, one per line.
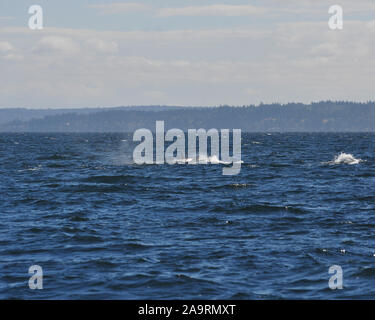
(191,106)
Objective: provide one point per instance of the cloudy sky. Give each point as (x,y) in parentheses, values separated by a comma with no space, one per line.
(185,52)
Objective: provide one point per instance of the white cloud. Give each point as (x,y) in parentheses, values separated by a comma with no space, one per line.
(102,46)
(56,44)
(299,61)
(6,47)
(212,10)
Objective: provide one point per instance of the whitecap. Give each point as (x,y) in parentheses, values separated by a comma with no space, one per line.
(188,160)
(31,169)
(209,160)
(214,160)
(346,158)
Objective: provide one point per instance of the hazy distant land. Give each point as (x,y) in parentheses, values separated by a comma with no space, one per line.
(293,117)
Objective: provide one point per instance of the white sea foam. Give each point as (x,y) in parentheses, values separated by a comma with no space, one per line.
(345,158)
(188,160)
(209,160)
(31,169)
(214,160)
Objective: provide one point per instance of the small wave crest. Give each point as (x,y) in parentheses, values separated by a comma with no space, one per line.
(209,160)
(345,158)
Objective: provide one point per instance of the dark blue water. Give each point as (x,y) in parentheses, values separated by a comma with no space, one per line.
(103,228)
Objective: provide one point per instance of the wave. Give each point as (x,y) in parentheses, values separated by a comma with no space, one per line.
(110,179)
(215,160)
(345,158)
(260,208)
(212,160)
(31,169)
(54,157)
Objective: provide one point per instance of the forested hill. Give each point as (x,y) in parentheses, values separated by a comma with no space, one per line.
(292,117)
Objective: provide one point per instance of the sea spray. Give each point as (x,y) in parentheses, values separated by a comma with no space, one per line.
(346,158)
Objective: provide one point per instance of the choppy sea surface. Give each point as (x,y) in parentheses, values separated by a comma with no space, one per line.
(104,228)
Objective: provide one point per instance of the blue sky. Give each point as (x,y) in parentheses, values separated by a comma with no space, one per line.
(207,52)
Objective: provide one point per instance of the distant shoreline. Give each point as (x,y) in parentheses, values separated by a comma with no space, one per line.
(327,116)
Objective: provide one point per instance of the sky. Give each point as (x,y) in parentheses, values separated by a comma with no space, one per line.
(103,53)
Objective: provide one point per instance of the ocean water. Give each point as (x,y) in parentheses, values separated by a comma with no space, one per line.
(104,228)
